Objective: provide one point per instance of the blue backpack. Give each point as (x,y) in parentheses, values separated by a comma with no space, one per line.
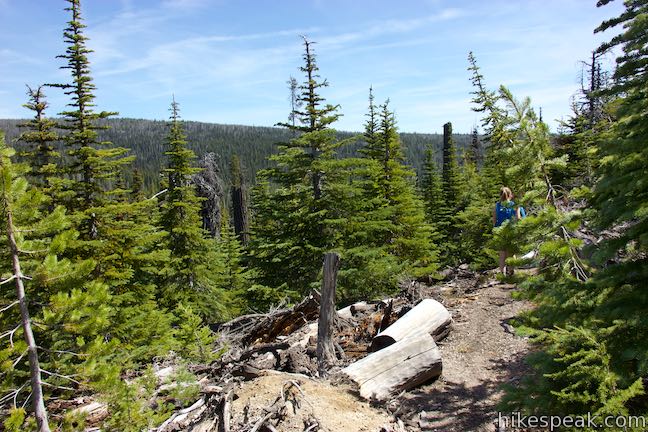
(504,212)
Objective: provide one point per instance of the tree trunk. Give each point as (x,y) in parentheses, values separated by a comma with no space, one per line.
(401,366)
(34,367)
(429,316)
(328,315)
(240,215)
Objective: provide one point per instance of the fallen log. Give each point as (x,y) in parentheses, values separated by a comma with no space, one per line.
(429,316)
(282,322)
(351,311)
(401,366)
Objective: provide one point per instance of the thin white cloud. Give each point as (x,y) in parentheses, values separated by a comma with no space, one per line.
(8,57)
(388,27)
(185,4)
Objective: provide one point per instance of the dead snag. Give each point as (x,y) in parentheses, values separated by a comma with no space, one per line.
(328,315)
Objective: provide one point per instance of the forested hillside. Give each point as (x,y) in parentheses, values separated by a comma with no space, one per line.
(130,254)
(252,144)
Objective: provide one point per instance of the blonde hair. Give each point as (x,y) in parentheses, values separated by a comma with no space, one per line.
(506,194)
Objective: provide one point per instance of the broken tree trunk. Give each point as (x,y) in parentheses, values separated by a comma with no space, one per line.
(401,366)
(239,202)
(328,315)
(429,316)
(282,322)
(34,367)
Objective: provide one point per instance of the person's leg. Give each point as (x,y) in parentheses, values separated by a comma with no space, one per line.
(509,269)
(502,260)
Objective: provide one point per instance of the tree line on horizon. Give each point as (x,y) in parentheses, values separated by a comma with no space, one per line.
(112,271)
(253,145)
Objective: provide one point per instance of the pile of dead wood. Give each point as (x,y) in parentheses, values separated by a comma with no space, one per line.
(383,347)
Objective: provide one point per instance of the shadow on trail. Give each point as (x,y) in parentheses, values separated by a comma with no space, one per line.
(449,406)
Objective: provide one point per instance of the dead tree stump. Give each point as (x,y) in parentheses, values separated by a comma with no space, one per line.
(328,315)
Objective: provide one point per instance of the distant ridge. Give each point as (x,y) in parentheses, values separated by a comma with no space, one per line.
(253,144)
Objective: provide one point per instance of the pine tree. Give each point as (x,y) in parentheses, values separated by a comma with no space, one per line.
(39,139)
(450,170)
(475,154)
(410,238)
(93,164)
(73,311)
(595,360)
(137,186)
(432,192)
(188,276)
(6,191)
(371,148)
(236,279)
(290,235)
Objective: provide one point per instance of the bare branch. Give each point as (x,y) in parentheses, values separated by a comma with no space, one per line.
(24,404)
(32,252)
(8,280)
(9,306)
(67,377)
(10,333)
(19,358)
(159,193)
(61,352)
(12,394)
(58,387)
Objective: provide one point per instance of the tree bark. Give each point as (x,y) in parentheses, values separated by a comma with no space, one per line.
(34,367)
(401,366)
(429,316)
(328,314)
(240,215)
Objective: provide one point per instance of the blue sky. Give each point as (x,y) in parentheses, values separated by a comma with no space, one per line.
(228,61)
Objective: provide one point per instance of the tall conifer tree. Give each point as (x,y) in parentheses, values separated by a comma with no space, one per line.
(93,164)
(291,204)
(193,267)
(39,138)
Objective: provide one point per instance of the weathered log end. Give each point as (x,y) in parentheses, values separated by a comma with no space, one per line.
(429,316)
(401,366)
(381,341)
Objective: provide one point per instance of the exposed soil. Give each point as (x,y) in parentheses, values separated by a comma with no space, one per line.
(480,354)
(332,408)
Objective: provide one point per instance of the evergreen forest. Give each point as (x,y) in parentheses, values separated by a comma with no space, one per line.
(127,241)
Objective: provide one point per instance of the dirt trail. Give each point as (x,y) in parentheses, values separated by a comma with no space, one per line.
(480,354)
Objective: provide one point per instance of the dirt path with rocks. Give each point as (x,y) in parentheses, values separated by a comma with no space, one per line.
(480,354)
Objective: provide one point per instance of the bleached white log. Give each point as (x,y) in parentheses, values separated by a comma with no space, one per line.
(352,310)
(400,366)
(429,316)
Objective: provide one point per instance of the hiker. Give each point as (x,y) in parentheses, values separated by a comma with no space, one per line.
(505,210)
